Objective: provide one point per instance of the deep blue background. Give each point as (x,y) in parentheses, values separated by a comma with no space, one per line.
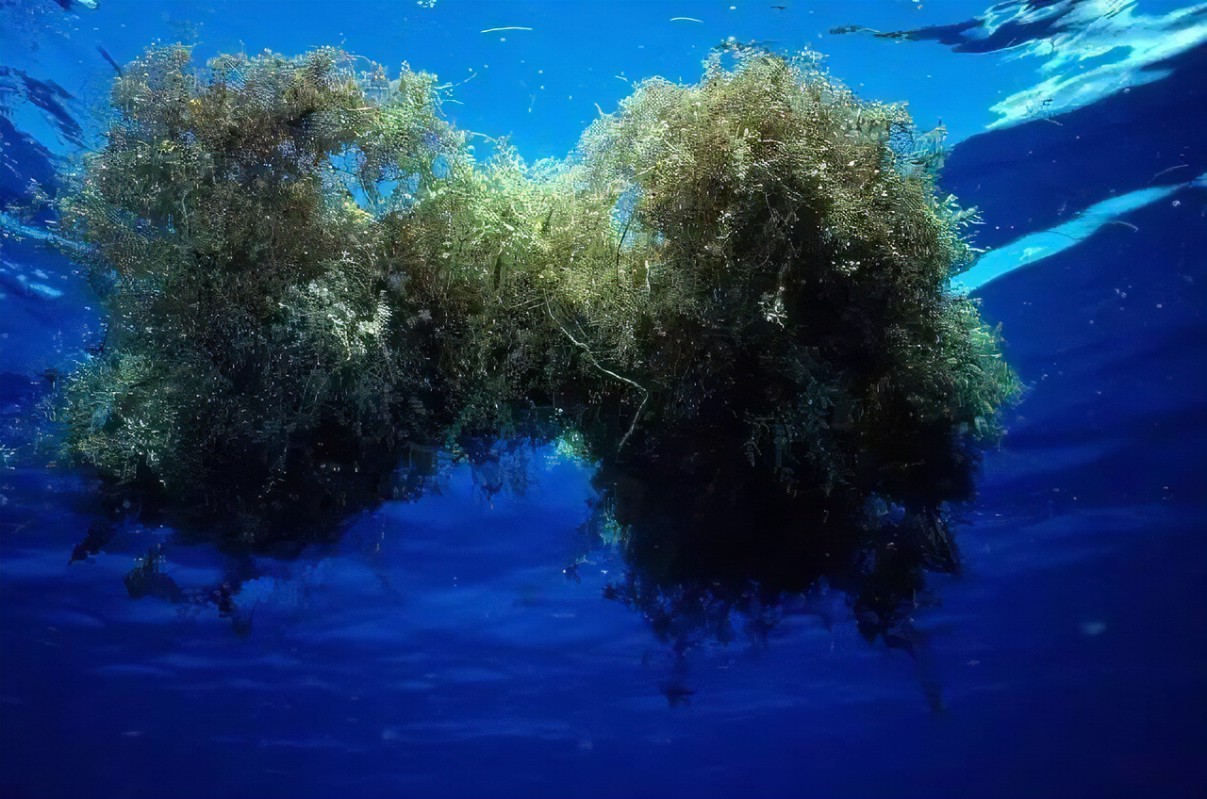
(439,650)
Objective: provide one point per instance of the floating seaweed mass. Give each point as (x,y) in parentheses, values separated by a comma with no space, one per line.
(734,295)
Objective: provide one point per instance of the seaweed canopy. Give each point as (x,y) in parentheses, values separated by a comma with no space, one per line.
(734,295)
(256,368)
(770,330)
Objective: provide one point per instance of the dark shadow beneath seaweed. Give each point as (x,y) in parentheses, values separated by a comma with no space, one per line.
(99,534)
(148,578)
(701,567)
(705,569)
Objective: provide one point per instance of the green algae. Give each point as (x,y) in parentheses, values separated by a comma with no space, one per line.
(257,366)
(733,295)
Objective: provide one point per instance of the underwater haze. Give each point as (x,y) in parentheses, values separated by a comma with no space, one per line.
(518,615)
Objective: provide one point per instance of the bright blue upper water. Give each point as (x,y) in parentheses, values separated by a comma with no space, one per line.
(439,649)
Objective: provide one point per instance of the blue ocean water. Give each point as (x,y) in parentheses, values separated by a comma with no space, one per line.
(451,647)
